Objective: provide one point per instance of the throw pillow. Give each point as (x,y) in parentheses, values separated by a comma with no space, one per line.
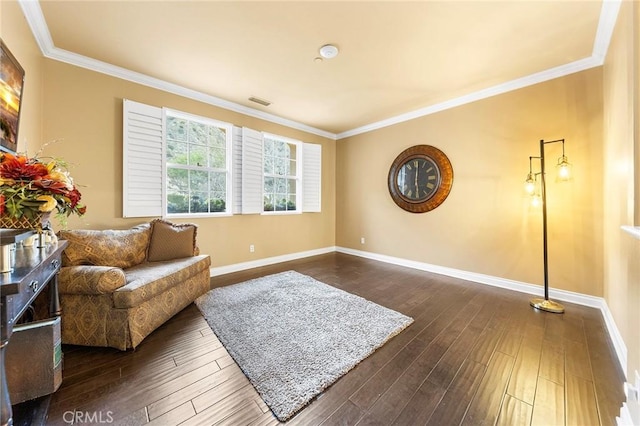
(118,248)
(171,240)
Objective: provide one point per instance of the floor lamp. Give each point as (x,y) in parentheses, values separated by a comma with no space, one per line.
(564,172)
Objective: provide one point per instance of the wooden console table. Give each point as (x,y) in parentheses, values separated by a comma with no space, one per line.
(33,269)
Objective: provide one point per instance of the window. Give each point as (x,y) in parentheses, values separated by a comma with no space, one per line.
(279,175)
(281,162)
(198,165)
(178,164)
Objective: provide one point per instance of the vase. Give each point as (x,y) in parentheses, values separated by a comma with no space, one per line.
(39,221)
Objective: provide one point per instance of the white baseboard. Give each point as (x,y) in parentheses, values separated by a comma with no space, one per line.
(630,410)
(564,295)
(625,416)
(618,342)
(221,270)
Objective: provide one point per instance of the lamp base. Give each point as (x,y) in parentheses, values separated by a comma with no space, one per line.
(547,305)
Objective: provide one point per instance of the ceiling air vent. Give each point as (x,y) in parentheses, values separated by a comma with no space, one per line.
(259,101)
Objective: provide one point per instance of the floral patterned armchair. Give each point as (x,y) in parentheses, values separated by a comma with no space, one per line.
(118,286)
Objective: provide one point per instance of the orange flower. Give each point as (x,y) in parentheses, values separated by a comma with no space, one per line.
(53,186)
(29,186)
(21,168)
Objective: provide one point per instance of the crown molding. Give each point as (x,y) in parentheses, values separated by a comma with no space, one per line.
(519,83)
(33,14)
(606,25)
(40,30)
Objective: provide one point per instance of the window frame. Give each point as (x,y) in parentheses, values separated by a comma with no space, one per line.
(144,177)
(228,127)
(298,176)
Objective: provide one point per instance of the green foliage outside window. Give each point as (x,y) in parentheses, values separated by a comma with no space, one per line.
(179,203)
(279,175)
(280,205)
(196,167)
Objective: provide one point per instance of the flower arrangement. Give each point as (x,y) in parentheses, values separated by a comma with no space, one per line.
(31,188)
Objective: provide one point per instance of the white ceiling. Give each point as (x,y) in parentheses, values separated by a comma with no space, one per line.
(398,59)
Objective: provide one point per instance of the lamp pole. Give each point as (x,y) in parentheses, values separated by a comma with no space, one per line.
(546,304)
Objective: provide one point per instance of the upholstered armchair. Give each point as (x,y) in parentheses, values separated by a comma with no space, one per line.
(118,286)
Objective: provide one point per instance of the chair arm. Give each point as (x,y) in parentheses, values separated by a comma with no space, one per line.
(89,279)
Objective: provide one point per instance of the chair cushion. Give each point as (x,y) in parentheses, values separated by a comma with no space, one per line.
(118,248)
(149,279)
(171,241)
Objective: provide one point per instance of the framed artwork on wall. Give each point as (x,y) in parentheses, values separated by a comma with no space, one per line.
(11,85)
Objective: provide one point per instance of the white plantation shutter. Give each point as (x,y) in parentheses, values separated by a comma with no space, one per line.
(237,169)
(251,171)
(144,193)
(311,177)
(143,160)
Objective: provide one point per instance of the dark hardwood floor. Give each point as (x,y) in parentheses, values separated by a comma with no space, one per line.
(475,355)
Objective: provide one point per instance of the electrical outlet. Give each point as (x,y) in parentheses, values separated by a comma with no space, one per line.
(252,248)
(361,240)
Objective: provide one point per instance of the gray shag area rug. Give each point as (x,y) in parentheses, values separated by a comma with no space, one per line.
(293,336)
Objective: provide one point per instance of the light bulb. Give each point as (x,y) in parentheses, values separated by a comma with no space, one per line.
(564,168)
(563,172)
(536,201)
(529,186)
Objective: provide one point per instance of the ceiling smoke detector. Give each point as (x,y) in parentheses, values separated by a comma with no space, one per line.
(329,51)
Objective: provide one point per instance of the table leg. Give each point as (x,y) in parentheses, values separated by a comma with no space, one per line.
(6,414)
(55,310)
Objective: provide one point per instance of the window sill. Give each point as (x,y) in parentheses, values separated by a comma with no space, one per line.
(197,215)
(632,230)
(285,213)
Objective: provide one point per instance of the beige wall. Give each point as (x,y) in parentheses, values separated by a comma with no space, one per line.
(486,224)
(84,108)
(621,146)
(16,34)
